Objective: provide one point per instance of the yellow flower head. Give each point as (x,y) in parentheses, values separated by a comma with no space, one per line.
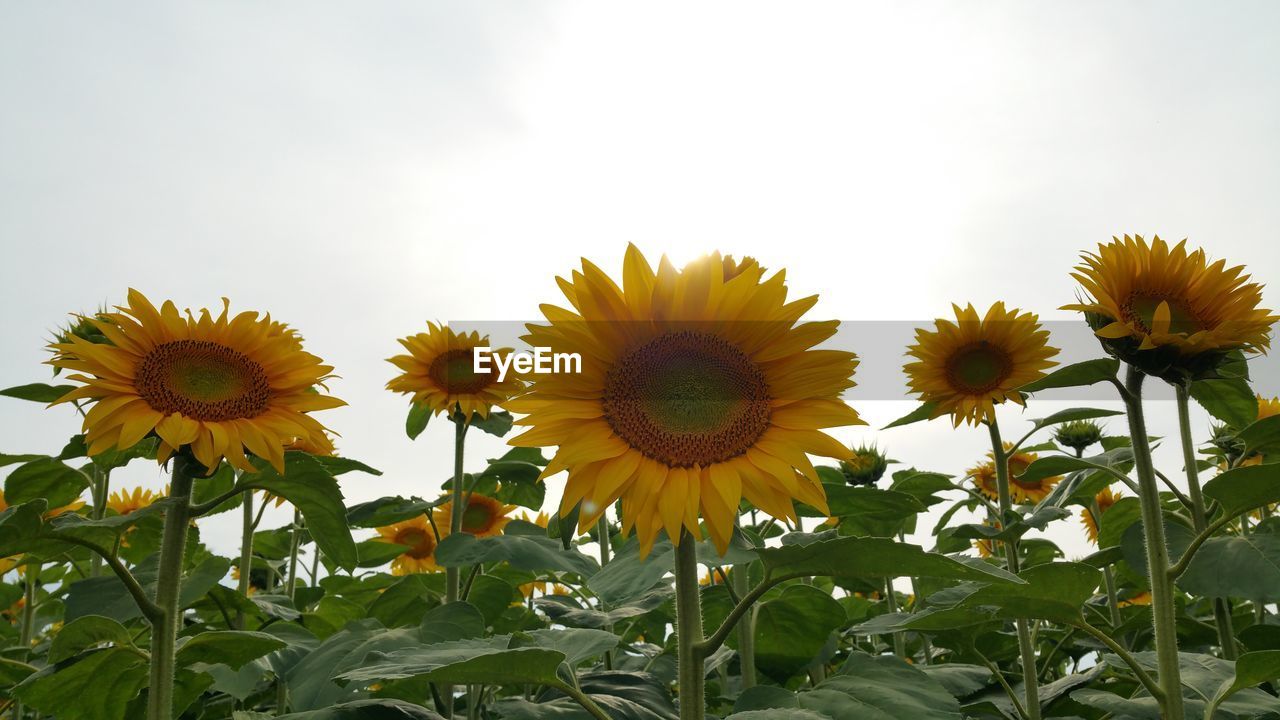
(416,534)
(1160,297)
(1020,491)
(484,516)
(1105,499)
(439,372)
(986,548)
(1268,407)
(696,390)
(967,367)
(1142,598)
(125,501)
(220,386)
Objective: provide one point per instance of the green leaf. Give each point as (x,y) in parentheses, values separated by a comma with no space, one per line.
(792,629)
(11,459)
(309,486)
(20,527)
(577,644)
(233,648)
(46,478)
(865,688)
(1074,414)
(454,621)
(492,596)
(343,465)
(85,632)
(416,422)
(779,714)
(1055,591)
(389,510)
(404,601)
(924,412)
(1239,567)
(1052,465)
(1261,436)
(97,685)
(1117,520)
(1244,488)
(486,661)
(872,504)
(37,392)
(1089,372)
(1252,669)
(497,423)
(1230,400)
(369,709)
(522,552)
(875,558)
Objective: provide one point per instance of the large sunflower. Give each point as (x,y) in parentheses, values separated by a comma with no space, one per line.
(698,388)
(484,516)
(218,385)
(1157,297)
(965,368)
(1020,491)
(1105,499)
(416,535)
(439,372)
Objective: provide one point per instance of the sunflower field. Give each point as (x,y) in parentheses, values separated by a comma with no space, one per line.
(709,550)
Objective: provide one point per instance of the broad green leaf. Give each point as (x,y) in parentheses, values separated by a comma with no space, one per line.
(1244,488)
(1252,669)
(1054,592)
(874,504)
(523,552)
(85,632)
(870,558)
(97,685)
(1089,372)
(1261,435)
(454,621)
(1230,400)
(37,392)
(233,648)
(309,677)
(488,660)
(106,595)
(370,709)
(404,601)
(792,629)
(492,596)
(416,421)
(959,679)
(1074,414)
(577,644)
(1117,520)
(20,527)
(1236,567)
(566,611)
(343,465)
(925,412)
(13,459)
(309,486)
(497,423)
(389,510)
(46,478)
(779,714)
(865,688)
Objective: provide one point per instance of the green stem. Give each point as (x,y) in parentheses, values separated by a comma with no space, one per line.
(1163,618)
(891,601)
(746,630)
(602,530)
(31,573)
(451,575)
(1025,649)
(1221,615)
(1008,689)
(246,552)
(1108,576)
(586,702)
(101,490)
(689,630)
(164,632)
(1139,672)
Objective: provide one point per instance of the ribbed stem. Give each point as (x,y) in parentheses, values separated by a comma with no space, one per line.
(101,493)
(689,630)
(891,602)
(164,632)
(246,550)
(451,575)
(746,629)
(295,534)
(1199,518)
(1163,618)
(1025,649)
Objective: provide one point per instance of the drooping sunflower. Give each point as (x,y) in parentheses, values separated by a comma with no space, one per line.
(1156,297)
(1020,491)
(416,534)
(439,372)
(698,388)
(484,516)
(125,501)
(1105,499)
(221,386)
(967,367)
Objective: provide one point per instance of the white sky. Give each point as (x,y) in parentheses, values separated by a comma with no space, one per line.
(358,169)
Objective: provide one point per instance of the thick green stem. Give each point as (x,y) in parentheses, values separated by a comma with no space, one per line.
(1025,649)
(746,629)
(164,632)
(246,551)
(1163,618)
(451,576)
(1221,615)
(689,631)
(295,533)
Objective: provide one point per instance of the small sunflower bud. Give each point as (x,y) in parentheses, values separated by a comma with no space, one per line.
(866,467)
(1078,434)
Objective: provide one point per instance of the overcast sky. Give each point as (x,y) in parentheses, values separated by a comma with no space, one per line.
(359,168)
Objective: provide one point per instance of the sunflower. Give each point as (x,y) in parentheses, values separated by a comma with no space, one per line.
(1142,598)
(439,372)
(218,385)
(696,390)
(484,516)
(986,547)
(1020,491)
(1268,407)
(125,502)
(417,535)
(711,577)
(965,368)
(1105,499)
(1153,296)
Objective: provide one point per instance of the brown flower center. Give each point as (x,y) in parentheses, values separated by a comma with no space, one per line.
(420,542)
(1140,309)
(454,371)
(687,399)
(978,368)
(203,380)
